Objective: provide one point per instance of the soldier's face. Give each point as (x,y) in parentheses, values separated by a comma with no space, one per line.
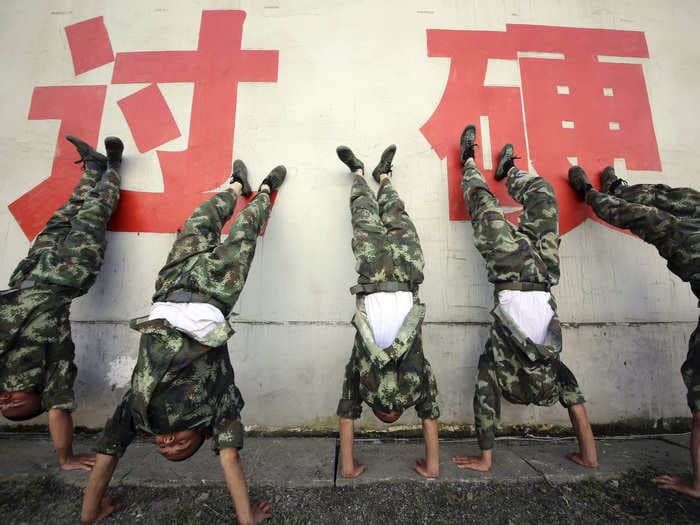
(180,445)
(18,405)
(387,417)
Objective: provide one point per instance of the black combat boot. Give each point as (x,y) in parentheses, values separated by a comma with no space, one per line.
(467,142)
(579,181)
(91,159)
(506,161)
(239,173)
(609,182)
(275,179)
(384,165)
(348,158)
(114,148)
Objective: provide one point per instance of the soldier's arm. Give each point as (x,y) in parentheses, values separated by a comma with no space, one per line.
(350,467)
(428,410)
(691,488)
(587,455)
(349,409)
(57,399)
(61,430)
(96,504)
(487,410)
(238,488)
(429,467)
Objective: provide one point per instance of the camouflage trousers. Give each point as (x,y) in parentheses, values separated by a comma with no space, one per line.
(384,241)
(669,219)
(70,249)
(62,264)
(529,253)
(510,367)
(200,263)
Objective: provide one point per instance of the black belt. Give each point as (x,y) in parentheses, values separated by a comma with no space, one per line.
(389,286)
(523,287)
(184,296)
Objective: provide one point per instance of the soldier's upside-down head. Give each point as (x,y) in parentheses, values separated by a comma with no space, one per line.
(387,417)
(179,446)
(19,406)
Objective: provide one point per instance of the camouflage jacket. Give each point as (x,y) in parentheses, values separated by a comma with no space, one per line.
(36,350)
(526,371)
(514,367)
(178,383)
(397,376)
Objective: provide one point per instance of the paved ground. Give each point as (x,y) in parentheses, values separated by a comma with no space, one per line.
(531,482)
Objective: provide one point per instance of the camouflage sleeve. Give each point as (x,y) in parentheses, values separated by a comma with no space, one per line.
(569,392)
(228,433)
(119,431)
(427,406)
(227,429)
(487,401)
(59,376)
(350,404)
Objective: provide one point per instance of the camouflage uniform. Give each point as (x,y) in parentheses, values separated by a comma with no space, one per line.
(36,350)
(668,218)
(388,258)
(527,258)
(182,381)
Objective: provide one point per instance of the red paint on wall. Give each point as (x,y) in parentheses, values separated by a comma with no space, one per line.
(150,120)
(215,68)
(89,44)
(607,104)
(79,108)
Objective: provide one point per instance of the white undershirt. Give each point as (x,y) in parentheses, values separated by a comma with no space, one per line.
(386,312)
(195,318)
(530,310)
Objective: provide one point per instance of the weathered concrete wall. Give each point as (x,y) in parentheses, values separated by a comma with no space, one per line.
(357,73)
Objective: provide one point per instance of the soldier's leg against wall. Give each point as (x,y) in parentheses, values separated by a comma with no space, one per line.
(683,202)
(691,370)
(539,220)
(200,235)
(57,227)
(404,243)
(222,273)
(82,252)
(650,224)
(369,242)
(494,236)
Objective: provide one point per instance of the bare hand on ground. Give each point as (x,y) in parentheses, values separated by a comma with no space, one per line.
(677,484)
(477,463)
(79,462)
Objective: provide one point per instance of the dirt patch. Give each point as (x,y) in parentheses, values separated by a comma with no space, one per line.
(630,499)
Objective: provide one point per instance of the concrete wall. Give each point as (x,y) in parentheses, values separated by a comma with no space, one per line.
(357,73)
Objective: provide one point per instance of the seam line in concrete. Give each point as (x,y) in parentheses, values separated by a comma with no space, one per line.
(430,323)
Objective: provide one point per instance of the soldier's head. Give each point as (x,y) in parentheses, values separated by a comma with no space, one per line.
(179,446)
(19,406)
(387,417)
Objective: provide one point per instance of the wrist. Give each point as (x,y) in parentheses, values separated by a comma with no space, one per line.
(64,455)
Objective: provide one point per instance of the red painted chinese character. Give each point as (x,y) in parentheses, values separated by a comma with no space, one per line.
(574,102)
(215,68)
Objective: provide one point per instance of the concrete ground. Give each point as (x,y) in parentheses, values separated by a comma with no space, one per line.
(308,461)
(531,482)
